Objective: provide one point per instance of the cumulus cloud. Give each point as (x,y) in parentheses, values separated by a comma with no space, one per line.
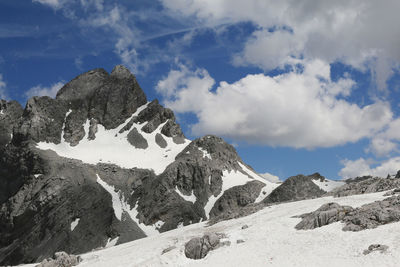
(361,166)
(387,141)
(357,32)
(40,90)
(301,109)
(2,88)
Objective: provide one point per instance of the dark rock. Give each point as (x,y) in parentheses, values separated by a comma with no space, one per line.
(245,226)
(92,129)
(137,140)
(61,259)
(237,197)
(198,247)
(161,141)
(372,215)
(10,112)
(397,174)
(42,120)
(376,247)
(365,185)
(172,129)
(326,214)
(154,115)
(296,188)
(239,241)
(168,249)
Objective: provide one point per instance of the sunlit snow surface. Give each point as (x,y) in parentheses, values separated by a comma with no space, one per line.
(111,147)
(328,185)
(270,240)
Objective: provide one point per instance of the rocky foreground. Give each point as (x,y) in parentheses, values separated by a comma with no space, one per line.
(266,238)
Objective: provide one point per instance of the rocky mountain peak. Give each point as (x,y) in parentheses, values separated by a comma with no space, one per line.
(83,85)
(121,72)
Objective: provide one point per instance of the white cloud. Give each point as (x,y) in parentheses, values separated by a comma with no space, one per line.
(2,88)
(296,109)
(270,177)
(40,90)
(361,167)
(387,141)
(355,32)
(55,4)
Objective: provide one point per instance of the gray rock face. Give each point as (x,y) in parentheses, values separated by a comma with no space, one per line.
(10,112)
(36,220)
(295,188)
(61,259)
(326,214)
(236,198)
(95,95)
(137,140)
(364,185)
(397,174)
(198,247)
(160,141)
(368,216)
(372,215)
(376,247)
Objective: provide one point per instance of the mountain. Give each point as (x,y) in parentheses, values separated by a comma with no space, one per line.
(99,165)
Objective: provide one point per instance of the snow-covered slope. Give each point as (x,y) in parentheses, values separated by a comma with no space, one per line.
(111,146)
(328,185)
(270,240)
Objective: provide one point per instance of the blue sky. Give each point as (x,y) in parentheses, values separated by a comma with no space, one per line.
(297,87)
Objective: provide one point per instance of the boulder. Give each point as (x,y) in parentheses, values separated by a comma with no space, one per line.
(326,214)
(198,247)
(61,259)
(376,247)
(372,215)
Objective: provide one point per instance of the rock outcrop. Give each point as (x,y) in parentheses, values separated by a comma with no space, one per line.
(367,216)
(366,184)
(375,247)
(10,112)
(198,247)
(326,214)
(296,188)
(61,259)
(372,215)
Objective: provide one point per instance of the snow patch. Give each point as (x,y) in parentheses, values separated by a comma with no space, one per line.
(192,198)
(112,242)
(229,180)
(113,147)
(328,185)
(265,191)
(37,175)
(74,224)
(205,153)
(120,205)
